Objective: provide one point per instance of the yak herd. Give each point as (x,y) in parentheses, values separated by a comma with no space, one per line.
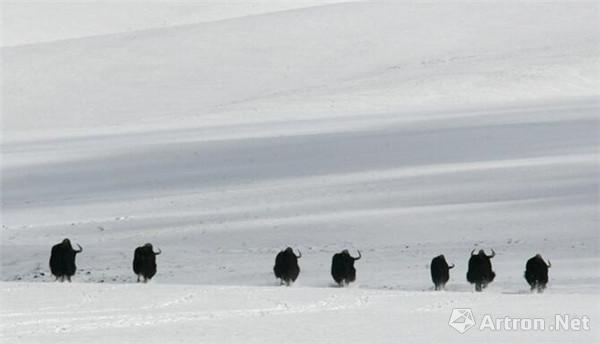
(286,269)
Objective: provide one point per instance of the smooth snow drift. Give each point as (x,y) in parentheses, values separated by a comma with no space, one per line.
(405,130)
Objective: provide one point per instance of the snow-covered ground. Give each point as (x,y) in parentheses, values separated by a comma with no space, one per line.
(403,129)
(158,313)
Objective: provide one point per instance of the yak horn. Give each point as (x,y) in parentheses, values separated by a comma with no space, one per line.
(450,266)
(80,249)
(493,254)
(299,254)
(473,252)
(549,264)
(359,255)
(157,253)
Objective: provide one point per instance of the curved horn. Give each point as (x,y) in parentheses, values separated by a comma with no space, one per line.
(80,249)
(359,255)
(299,254)
(473,252)
(549,264)
(450,266)
(157,253)
(493,254)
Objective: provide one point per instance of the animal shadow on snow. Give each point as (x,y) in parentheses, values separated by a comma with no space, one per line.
(520,292)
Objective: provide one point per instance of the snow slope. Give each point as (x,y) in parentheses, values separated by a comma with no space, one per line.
(403,129)
(337,60)
(30,22)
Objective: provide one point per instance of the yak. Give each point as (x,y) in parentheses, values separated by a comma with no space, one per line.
(144,262)
(536,273)
(62,260)
(440,272)
(286,266)
(480,269)
(342,268)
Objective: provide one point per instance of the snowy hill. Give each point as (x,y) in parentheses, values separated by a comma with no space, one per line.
(329,61)
(403,129)
(52,20)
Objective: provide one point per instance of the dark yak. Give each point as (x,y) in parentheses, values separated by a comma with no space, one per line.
(286,266)
(480,269)
(144,262)
(536,273)
(342,267)
(440,272)
(62,260)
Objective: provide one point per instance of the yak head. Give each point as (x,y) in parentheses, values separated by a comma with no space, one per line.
(443,259)
(347,254)
(539,257)
(289,250)
(148,247)
(482,254)
(67,244)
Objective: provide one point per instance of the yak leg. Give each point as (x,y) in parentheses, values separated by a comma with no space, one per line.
(138,278)
(69,279)
(478,286)
(536,287)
